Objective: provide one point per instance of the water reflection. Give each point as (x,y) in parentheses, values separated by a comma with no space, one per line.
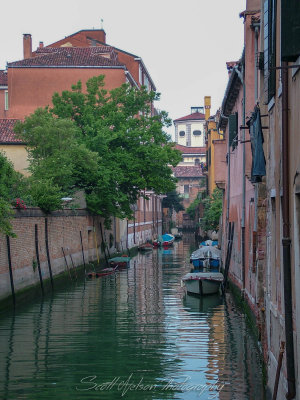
(134,328)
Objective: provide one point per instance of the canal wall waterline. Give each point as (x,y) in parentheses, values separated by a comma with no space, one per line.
(48,245)
(252,322)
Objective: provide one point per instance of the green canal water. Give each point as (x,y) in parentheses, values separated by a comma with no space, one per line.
(133,335)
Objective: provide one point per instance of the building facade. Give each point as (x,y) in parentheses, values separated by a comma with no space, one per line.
(260,119)
(30,83)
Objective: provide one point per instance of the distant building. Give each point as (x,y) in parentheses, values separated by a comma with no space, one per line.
(189,130)
(190,141)
(3,94)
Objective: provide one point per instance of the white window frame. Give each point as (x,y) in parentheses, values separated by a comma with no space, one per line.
(5,100)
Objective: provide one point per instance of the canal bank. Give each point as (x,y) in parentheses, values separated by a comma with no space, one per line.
(46,246)
(138,326)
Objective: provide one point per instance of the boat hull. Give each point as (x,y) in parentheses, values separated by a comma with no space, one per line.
(203,283)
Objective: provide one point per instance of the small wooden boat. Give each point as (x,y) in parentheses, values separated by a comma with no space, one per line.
(145,247)
(177,235)
(119,261)
(103,272)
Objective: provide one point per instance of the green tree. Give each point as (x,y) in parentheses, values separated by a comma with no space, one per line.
(59,165)
(10,184)
(173,201)
(106,143)
(134,151)
(191,210)
(212,210)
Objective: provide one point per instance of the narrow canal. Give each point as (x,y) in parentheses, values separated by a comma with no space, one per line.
(133,335)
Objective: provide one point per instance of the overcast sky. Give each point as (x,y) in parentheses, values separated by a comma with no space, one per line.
(184,44)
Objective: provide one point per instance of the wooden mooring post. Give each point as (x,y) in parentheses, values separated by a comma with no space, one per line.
(38,257)
(10,271)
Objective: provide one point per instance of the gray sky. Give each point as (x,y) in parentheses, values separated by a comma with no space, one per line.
(184,44)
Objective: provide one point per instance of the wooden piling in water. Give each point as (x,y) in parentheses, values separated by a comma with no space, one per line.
(38,257)
(66,263)
(82,252)
(10,271)
(47,251)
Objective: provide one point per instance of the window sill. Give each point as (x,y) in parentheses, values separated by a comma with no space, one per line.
(271,104)
(295,70)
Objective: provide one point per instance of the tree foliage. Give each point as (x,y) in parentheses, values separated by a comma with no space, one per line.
(106,143)
(191,210)
(10,184)
(173,201)
(212,211)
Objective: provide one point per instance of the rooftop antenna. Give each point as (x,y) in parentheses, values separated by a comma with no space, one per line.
(101,23)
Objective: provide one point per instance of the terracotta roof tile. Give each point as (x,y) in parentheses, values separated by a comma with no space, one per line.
(3,78)
(71,57)
(190,150)
(7,134)
(188,172)
(194,116)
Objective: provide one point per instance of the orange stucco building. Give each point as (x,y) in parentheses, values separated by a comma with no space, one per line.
(33,81)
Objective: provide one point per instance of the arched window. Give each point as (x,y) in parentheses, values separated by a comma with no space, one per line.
(197,161)
(181,133)
(197,133)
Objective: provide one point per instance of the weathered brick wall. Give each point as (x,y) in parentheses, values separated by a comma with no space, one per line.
(63,232)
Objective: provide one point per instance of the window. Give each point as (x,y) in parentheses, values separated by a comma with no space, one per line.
(233,130)
(270,49)
(181,133)
(290,30)
(6,100)
(209,156)
(197,133)
(186,191)
(146,82)
(197,161)
(197,110)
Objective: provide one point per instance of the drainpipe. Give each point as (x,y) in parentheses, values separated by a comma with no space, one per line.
(256,31)
(286,240)
(228,179)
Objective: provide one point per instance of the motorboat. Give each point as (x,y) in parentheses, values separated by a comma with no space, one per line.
(203,283)
(206,252)
(164,240)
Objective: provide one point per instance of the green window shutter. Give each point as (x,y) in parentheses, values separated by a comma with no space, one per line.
(290,30)
(233,130)
(272,49)
(266,50)
(269,49)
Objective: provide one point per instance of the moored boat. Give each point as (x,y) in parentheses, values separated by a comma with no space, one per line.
(119,261)
(145,247)
(203,283)
(211,253)
(102,272)
(164,240)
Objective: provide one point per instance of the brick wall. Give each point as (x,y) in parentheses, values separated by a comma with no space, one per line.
(63,232)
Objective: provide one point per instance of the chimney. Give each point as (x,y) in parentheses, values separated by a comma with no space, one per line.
(207,106)
(41,45)
(27,45)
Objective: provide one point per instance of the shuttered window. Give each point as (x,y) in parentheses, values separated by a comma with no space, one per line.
(269,49)
(233,130)
(290,30)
